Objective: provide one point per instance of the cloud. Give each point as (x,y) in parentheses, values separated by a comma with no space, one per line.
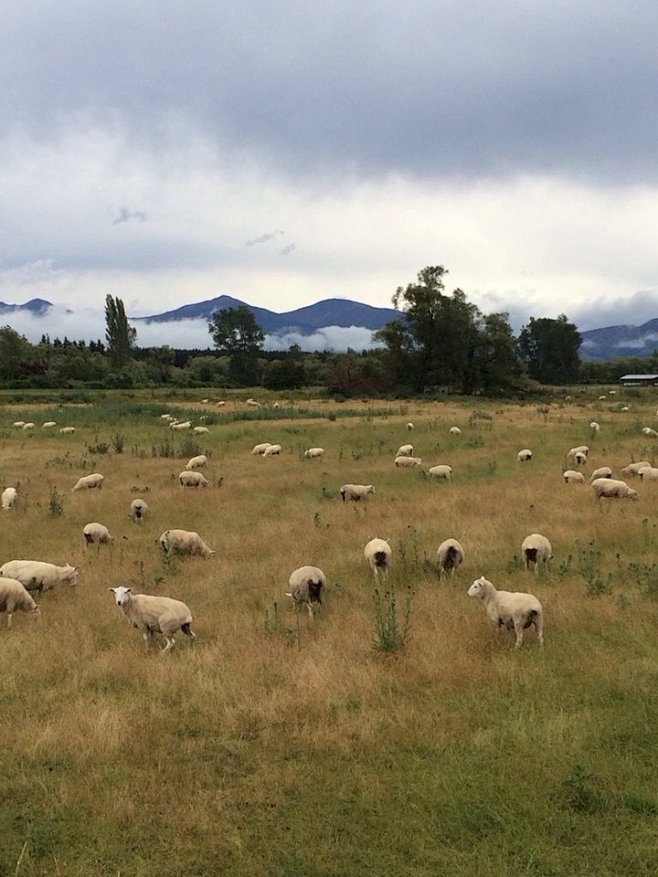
(125,214)
(286,251)
(633,310)
(264,238)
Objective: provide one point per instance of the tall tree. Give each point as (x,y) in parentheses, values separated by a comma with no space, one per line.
(235,332)
(120,336)
(549,349)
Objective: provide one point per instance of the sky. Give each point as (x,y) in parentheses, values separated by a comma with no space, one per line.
(283,153)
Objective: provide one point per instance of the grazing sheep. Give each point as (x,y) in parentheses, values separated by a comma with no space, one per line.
(524,456)
(96,534)
(197,462)
(610,488)
(650,432)
(306,587)
(648,473)
(455,430)
(594,426)
(184,542)
(272,451)
(276,405)
(378,554)
(186,424)
(451,556)
(581,449)
(512,610)
(602,398)
(38,575)
(9,497)
(28,425)
(441,471)
(579,458)
(408,462)
(405,451)
(601,472)
(199,430)
(14,596)
(167,417)
(356,492)
(67,430)
(95,480)
(192,478)
(154,615)
(572,477)
(634,468)
(220,404)
(261,448)
(19,424)
(313,453)
(138,508)
(410,426)
(536,549)
(624,408)
(49,424)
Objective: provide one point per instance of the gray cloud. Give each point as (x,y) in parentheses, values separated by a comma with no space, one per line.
(286,251)
(264,238)
(631,311)
(125,214)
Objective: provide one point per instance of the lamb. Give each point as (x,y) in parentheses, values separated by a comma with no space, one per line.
(455,430)
(67,430)
(513,610)
(572,477)
(261,448)
(634,468)
(191,478)
(38,575)
(49,424)
(609,487)
(408,462)
(199,430)
(138,508)
(272,451)
(154,615)
(441,471)
(96,534)
(378,554)
(306,587)
(524,456)
(14,596)
(313,453)
(536,549)
(405,451)
(601,472)
(95,480)
(648,473)
(356,492)
(9,497)
(451,556)
(197,462)
(184,542)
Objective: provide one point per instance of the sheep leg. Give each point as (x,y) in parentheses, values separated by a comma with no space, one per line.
(518,630)
(310,610)
(170,643)
(539,627)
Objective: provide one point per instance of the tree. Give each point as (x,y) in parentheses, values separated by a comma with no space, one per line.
(235,332)
(549,349)
(498,361)
(120,336)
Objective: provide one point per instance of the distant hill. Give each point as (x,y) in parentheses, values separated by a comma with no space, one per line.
(37,306)
(614,341)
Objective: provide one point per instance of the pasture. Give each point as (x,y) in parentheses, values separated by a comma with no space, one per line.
(286,746)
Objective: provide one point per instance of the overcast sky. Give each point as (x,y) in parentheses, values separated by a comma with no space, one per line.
(282,153)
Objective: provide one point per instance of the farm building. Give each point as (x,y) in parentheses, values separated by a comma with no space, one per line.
(639,380)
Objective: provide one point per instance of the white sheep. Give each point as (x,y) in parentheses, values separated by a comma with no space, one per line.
(378,554)
(192,478)
(441,471)
(356,492)
(611,488)
(648,473)
(455,430)
(19,424)
(601,472)
(410,426)
(512,610)
(167,417)
(252,403)
(405,451)
(579,458)
(200,430)
(272,451)
(450,556)
(313,453)
(38,575)
(524,456)
(14,596)
(89,482)
(220,404)
(184,542)
(536,549)
(9,497)
(154,615)
(260,448)
(634,468)
(624,408)
(49,424)
(307,585)
(408,462)
(594,426)
(650,432)
(197,462)
(581,449)
(572,477)
(67,430)
(138,509)
(96,534)
(29,425)
(186,424)
(276,405)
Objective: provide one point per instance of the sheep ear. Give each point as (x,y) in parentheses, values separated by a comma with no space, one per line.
(112,589)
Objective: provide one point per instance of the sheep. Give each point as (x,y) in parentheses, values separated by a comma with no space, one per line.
(524,456)
(9,497)
(19,424)
(272,451)
(648,473)
(455,430)
(609,487)
(197,462)
(186,424)
(572,477)
(261,448)
(138,508)
(154,615)
(513,610)
(378,554)
(14,596)
(200,430)
(167,417)
(95,480)
(410,426)
(536,549)
(49,424)
(220,404)
(594,426)
(67,430)
(650,432)
(441,471)
(634,468)
(624,408)
(405,451)
(38,575)
(313,453)
(356,492)
(184,542)
(28,425)
(451,555)
(276,405)
(96,534)
(408,462)
(579,458)
(252,403)
(601,472)
(306,587)
(192,478)
(581,449)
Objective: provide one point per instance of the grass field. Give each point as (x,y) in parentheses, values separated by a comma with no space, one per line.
(283,746)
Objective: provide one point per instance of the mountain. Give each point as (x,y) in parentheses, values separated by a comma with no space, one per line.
(37,306)
(305,321)
(613,341)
